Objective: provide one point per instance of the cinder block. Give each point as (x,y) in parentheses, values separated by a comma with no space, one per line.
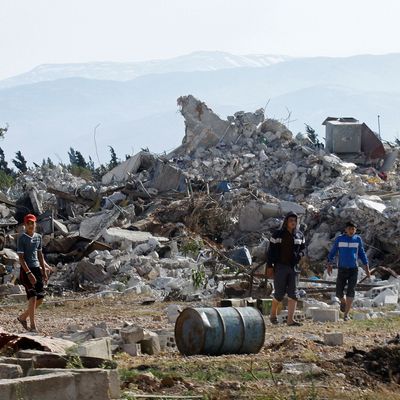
(333,339)
(25,363)
(283,316)
(133,349)
(152,345)
(231,303)
(325,315)
(264,305)
(251,303)
(133,334)
(10,371)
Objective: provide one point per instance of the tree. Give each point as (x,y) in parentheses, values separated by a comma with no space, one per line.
(3,131)
(72,156)
(114,160)
(80,160)
(313,136)
(76,158)
(4,164)
(20,162)
(48,163)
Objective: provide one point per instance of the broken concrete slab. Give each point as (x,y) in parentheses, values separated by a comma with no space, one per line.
(93,227)
(122,172)
(117,235)
(26,341)
(98,348)
(87,271)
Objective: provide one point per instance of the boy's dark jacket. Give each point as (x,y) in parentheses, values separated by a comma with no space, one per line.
(275,243)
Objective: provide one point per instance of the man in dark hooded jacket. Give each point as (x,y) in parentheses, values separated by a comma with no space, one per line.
(285,251)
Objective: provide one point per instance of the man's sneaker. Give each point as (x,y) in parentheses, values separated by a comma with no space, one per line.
(294,323)
(273,320)
(346,318)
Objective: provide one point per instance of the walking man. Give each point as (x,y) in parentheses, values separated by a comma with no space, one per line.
(33,273)
(285,251)
(349,247)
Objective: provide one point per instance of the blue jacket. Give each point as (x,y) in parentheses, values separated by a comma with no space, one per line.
(350,248)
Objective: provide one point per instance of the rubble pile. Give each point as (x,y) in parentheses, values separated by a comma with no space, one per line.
(165,225)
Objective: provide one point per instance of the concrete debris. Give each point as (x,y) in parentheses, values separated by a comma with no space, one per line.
(195,224)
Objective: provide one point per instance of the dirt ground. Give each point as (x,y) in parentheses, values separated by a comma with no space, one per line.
(327,374)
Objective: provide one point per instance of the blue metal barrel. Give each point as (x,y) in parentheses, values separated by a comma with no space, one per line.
(220,330)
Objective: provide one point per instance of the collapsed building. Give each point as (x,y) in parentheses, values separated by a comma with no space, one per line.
(227,186)
(195,225)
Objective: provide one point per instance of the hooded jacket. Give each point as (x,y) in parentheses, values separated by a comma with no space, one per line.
(276,242)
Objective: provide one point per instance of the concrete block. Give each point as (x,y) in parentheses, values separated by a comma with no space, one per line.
(264,305)
(251,303)
(283,316)
(360,316)
(387,296)
(133,349)
(10,371)
(310,310)
(59,385)
(325,315)
(99,348)
(91,384)
(151,345)
(395,313)
(232,303)
(18,298)
(133,334)
(25,363)
(167,339)
(333,339)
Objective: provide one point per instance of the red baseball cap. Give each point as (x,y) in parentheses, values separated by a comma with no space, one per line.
(29,217)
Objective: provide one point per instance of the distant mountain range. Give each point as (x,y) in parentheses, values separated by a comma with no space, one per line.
(57,107)
(114,71)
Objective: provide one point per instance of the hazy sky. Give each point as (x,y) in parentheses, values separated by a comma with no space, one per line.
(34,32)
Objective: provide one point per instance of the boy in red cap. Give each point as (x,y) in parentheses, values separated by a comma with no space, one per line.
(33,273)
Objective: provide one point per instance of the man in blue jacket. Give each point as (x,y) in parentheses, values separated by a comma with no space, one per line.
(349,247)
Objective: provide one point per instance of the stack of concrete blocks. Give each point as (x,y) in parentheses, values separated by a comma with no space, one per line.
(137,340)
(19,379)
